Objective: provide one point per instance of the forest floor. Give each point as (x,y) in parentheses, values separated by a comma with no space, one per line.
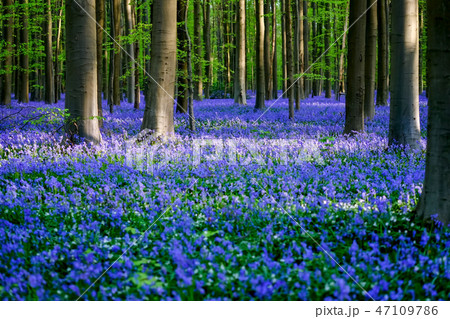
(250,206)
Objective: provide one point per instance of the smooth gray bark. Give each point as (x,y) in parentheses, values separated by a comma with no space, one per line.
(81,68)
(158,114)
(354,102)
(371,60)
(260,79)
(435,199)
(240,95)
(404,122)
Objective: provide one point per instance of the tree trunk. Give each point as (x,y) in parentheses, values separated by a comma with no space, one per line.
(8,37)
(23,94)
(81,65)
(315,53)
(267,52)
(435,199)
(116,61)
(240,95)
(383,67)
(137,70)
(289,58)
(260,79)
(327,55)
(296,62)
(295,43)
(307,83)
(342,87)
(301,50)
(158,115)
(207,44)
(283,45)
(189,66)
(49,95)
(131,66)
(274,51)
(100,17)
(420,49)
(182,91)
(371,60)
(198,66)
(404,125)
(57,51)
(354,102)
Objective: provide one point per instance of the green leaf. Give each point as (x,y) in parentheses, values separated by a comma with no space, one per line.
(131,230)
(210,233)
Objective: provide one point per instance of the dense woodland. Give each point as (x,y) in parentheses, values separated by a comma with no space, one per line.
(102,58)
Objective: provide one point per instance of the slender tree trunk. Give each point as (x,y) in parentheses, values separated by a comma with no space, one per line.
(315,54)
(116,61)
(220,44)
(371,60)
(301,50)
(100,17)
(137,71)
(240,95)
(207,43)
(23,96)
(354,102)
(49,95)
(227,46)
(383,67)
(274,51)
(57,52)
(182,95)
(129,26)
(404,124)
(420,49)
(283,45)
(435,199)
(296,40)
(307,83)
(267,52)
(260,79)
(190,84)
(289,58)
(198,66)
(81,64)
(8,37)
(159,106)
(342,87)
(327,55)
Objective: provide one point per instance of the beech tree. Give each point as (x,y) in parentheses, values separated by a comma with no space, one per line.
(198,65)
(159,104)
(24,85)
(207,44)
(354,103)
(6,85)
(81,68)
(289,58)
(240,94)
(404,122)
(49,95)
(260,79)
(100,17)
(383,56)
(371,59)
(182,88)
(435,198)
